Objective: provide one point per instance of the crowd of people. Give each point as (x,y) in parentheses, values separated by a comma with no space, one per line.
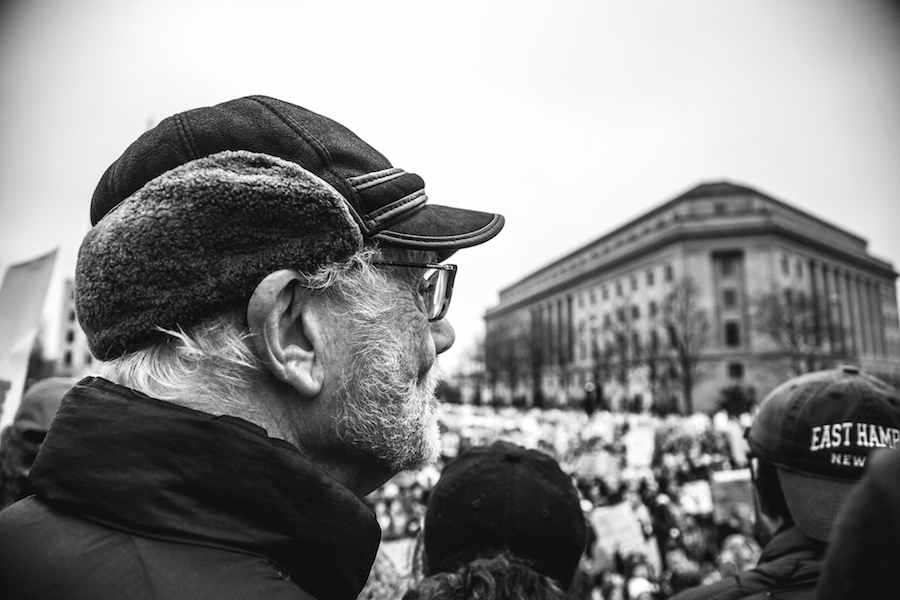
(656,474)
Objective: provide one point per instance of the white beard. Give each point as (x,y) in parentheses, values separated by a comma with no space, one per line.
(385,412)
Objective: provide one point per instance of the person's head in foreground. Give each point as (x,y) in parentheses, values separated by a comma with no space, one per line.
(257,258)
(809,443)
(22,439)
(502,522)
(268,296)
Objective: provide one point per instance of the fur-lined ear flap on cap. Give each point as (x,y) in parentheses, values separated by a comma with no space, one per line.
(285,332)
(196,241)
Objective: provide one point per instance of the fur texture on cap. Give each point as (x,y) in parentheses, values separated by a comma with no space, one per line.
(197,240)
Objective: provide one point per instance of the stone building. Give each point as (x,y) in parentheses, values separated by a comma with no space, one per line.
(756,289)
(74,356)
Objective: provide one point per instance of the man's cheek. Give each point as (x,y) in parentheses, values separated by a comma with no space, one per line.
(411,323)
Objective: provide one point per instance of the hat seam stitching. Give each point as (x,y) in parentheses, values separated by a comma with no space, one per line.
(304,134)
(328,162)
(319,148)
(461,237)
(389,212)
(361,182)
(186,136)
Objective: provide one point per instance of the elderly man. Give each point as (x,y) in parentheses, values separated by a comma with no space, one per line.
(267,293)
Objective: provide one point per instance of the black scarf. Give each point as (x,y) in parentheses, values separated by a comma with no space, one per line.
(158,470)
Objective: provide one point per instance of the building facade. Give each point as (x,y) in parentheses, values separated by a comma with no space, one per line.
(719,287)
(74,355)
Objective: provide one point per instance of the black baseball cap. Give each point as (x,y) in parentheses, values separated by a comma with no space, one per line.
(818,430)
(40,403)
(503,497)
(389,204)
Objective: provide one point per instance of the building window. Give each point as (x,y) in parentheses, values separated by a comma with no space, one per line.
(605,292)
(71,316)
(606,321)
(649,277)
(635,312)
(785,265)
(593,297)
(735,370)
(619,288)
(669,275)
(634,283)
(727,266)
(70,336)
(620,314)
(798,269)
(67,358)
(652,308)
(732,334)
(729,298)
(788,297)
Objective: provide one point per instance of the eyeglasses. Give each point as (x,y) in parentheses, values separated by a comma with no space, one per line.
(438,286)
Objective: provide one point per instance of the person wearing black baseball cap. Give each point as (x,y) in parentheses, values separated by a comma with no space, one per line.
(503,522)
(809,444)
(21,440)
(268,295)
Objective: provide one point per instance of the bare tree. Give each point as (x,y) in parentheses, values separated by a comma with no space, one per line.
(493,348)
(656,360)
(601,366)
(620,333)
(687,325)
(790,320)
(505,350)
(537,359)
(474,369)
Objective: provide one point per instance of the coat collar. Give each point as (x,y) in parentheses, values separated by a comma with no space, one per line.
(158,470)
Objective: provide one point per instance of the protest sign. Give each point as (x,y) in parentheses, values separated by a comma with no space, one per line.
(732,494)
(600,464)
(450,444)
(619,530)
(21,303)
(696,498)
(639,445)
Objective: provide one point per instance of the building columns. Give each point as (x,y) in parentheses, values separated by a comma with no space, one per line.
(851,312)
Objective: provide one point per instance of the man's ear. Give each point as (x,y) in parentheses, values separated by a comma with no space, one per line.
(286,332)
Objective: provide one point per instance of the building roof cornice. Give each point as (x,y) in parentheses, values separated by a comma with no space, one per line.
(669,224)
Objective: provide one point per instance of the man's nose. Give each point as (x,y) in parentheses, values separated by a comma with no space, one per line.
(443,335)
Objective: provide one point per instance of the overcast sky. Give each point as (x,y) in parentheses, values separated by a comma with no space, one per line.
(570,118)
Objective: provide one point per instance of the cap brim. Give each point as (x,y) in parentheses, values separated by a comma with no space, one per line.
(814,501)
(437,227)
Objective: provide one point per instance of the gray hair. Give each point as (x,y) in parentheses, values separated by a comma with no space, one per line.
(214,367)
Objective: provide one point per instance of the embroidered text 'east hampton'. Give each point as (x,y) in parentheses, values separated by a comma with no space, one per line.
(863,435)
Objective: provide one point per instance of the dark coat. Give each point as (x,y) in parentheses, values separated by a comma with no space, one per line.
(788,569)
(141,499)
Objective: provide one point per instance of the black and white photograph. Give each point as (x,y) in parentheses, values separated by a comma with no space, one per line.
(587,300)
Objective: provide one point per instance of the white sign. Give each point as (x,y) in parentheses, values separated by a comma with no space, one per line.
(21,304)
